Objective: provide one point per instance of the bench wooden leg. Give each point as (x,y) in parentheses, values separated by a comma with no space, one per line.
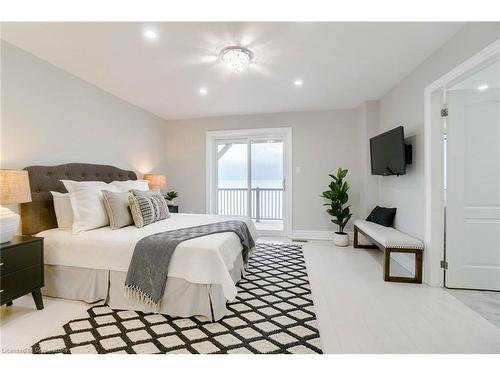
(417,279)
(418,266)
(355,241)
(387,265)
(355,238)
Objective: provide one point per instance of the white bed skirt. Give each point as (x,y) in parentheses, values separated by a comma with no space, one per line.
(181,298)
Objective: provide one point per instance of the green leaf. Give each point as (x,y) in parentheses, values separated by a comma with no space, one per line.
(346,220)
(171,195)
(337,198)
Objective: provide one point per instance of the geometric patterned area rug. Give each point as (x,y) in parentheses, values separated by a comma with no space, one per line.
(272,313)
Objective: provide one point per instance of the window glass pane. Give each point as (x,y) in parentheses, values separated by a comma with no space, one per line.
(232,165)
(232,178)
(267,164)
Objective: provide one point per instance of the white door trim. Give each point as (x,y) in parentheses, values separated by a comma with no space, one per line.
(285,132)
(434,216)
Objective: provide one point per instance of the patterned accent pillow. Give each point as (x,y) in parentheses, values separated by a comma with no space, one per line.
(161,207)
(147,209)
(142,210)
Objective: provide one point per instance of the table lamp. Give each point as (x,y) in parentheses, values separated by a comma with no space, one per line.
(156,181)
(14,188)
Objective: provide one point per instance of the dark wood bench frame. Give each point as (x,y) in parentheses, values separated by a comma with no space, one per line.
(417,279)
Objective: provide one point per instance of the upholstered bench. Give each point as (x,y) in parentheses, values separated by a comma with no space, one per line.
(390,241)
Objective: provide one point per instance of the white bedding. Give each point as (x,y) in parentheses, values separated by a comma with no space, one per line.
(203,260)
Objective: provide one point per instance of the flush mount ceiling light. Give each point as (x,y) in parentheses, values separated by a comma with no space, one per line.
(236,58)
(203,91)
(298,82)
(150,34)
(482,87)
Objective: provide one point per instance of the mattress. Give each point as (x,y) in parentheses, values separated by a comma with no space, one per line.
(202,260)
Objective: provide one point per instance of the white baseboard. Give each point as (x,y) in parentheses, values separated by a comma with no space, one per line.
(311,234)
(321,235)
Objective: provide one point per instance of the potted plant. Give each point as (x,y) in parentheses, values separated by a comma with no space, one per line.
(338,197)
(170,196)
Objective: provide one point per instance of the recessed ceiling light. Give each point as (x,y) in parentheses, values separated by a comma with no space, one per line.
(482,87)
(203,91)
(150,34)
(298,82)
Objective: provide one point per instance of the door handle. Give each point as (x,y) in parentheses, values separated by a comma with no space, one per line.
(284,184)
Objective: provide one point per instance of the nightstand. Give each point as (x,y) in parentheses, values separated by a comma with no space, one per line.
(173,209)
(21,269)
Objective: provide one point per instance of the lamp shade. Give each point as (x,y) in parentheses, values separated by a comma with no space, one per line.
(156,181)
(14,186)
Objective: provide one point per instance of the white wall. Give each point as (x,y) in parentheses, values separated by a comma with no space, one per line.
(368,113)
(322,142)
(50,117)
(404,105)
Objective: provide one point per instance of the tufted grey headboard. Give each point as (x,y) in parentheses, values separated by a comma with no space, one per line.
(39,214)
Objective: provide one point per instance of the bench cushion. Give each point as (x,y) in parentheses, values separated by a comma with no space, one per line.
(389,237)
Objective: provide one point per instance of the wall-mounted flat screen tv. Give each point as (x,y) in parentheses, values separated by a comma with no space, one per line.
(387,152)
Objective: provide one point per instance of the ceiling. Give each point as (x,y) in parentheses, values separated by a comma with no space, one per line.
(341,64)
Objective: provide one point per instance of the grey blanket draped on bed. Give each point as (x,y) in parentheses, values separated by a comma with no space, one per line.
(148,270)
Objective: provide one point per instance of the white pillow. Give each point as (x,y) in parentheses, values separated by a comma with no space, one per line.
(88,207)
(87,204)
(71,185)
(62,207)
(131,184)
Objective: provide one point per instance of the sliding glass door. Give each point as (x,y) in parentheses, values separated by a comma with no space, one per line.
(249,179)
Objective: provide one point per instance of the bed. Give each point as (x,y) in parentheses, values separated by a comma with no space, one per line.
(92,265)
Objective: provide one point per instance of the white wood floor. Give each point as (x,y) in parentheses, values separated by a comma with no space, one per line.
(360,313)
(357,311)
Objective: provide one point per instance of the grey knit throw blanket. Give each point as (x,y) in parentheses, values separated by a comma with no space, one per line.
(147,273)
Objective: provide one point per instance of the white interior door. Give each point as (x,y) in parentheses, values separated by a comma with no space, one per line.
(473,186)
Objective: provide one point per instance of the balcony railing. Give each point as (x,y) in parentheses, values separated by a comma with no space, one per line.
(265,203)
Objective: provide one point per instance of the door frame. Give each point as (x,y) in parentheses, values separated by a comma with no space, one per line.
(210,172)
(433,161)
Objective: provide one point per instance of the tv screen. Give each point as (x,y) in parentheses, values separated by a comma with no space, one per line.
(387,153)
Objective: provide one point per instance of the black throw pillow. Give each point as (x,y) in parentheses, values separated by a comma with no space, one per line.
(382,216)
(372,214)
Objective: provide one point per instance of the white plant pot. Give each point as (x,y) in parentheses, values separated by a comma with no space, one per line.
(340,239)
